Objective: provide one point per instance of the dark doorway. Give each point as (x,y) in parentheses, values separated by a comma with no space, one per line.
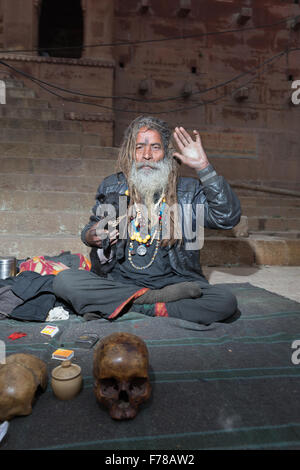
(61,28)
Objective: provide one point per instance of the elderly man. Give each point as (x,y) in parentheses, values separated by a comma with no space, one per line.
(154,267)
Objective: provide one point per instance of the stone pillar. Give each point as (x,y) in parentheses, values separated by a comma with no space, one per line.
(19,25)
(36,13)
(98,27)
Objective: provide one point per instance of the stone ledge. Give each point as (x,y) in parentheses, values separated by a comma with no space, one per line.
(255,250)
(59,60)
(22,246)
(241,230)
(74,116)
(216,252)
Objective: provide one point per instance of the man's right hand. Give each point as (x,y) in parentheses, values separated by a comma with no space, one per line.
(93,236)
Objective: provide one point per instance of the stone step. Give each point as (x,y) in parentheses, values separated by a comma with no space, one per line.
(215,252)
(31,113)
(95,152)
(273,224)
(46,150)
(283,211)
(43,223)
(11,83)
(291,234)
(60,213)
(41,137)
(19,92)
(240,230)
(55,150)
(59,167)
(51,125)
(27,246)
(27,182)
(33,200)
(67,213)
(46,201)
(280,201)
(76,208)
(27,103)
(64,125)
(255,250)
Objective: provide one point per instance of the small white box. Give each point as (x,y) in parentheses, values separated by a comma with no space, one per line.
(50,330)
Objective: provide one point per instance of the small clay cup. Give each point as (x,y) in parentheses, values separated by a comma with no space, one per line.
(66,380)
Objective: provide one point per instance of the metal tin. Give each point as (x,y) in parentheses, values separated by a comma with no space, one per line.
(8,266)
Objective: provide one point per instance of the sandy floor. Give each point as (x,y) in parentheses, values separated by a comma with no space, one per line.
(283,280)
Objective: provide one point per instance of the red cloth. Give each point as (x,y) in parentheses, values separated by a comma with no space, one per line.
(42,266)
(16,335)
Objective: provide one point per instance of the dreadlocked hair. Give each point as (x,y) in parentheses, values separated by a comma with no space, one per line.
(126,159)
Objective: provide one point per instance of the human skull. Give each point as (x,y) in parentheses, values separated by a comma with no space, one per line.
(121,374)
(20,378)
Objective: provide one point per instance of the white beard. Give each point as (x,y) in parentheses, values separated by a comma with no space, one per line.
(150,182)
(150,185)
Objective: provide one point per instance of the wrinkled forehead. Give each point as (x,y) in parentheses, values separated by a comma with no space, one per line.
(147,135)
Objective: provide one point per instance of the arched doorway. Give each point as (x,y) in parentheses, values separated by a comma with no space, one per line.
(61,28)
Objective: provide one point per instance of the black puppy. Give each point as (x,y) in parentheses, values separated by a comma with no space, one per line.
(116,250)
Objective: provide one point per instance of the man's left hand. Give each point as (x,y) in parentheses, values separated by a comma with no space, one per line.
(191,152)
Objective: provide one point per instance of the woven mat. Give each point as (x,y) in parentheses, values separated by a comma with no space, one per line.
(224,386)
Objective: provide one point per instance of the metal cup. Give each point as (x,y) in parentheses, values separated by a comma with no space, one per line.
(8,266)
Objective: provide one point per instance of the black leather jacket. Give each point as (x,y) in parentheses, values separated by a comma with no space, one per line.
(221,211)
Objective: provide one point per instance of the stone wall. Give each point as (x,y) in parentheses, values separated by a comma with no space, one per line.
(1,25)
(250,136)
(250,130)
(88,76)
(93,74)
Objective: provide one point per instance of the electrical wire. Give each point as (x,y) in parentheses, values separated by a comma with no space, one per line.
(185,108)
(145,101)
(149,41)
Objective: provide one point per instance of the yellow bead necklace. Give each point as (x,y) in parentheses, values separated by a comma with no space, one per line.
(144,242)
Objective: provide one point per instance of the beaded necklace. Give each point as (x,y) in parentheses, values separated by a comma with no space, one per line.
(144,243)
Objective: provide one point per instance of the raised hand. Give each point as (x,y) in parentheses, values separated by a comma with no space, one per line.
(191,152)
